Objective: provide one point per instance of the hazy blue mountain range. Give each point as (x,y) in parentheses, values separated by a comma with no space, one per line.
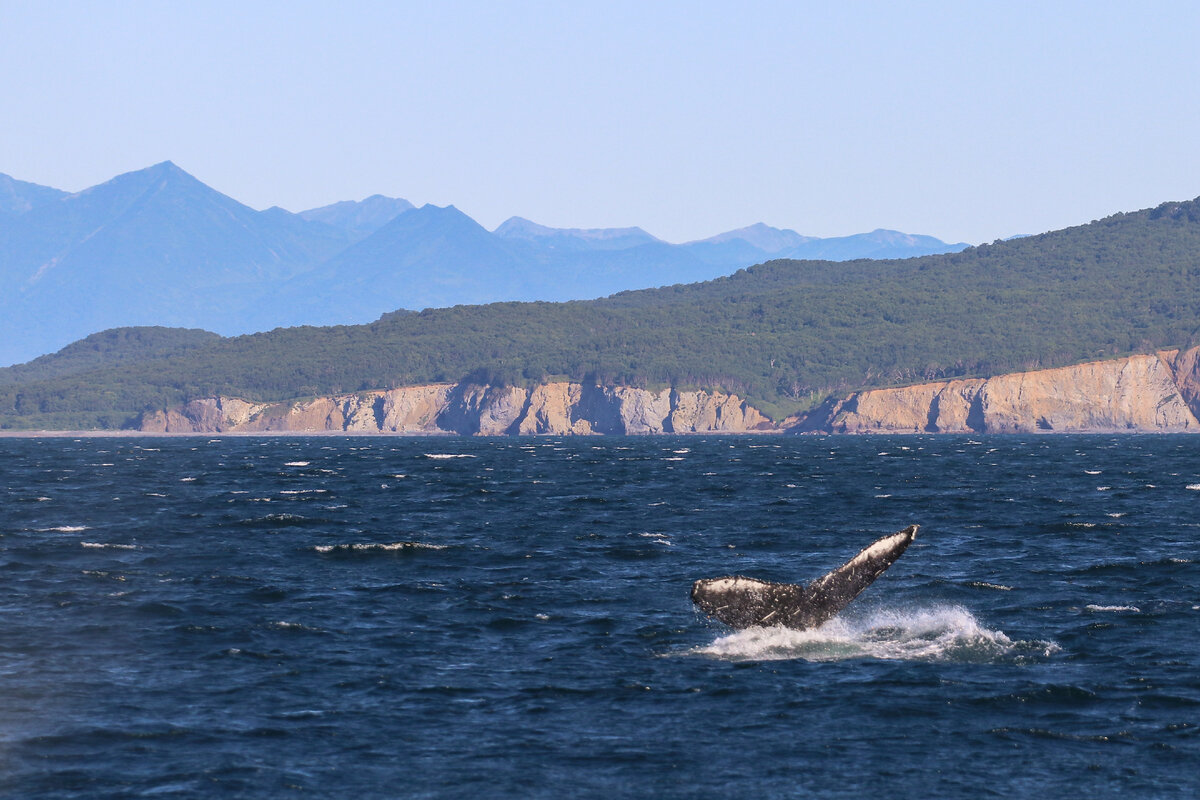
(362,218)
(159,247)
(17,197)
(785,335)
(520,229)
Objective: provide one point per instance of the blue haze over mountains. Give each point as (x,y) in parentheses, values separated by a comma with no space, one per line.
(159,247)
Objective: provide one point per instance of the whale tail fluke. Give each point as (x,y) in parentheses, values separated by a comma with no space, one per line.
(742,602)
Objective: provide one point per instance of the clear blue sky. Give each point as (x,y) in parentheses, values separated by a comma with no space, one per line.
(965,120)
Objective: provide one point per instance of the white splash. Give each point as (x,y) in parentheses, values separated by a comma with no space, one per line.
(949,633)
(102,545)
(63,529)
(1094,608)
(365,546)
(284,625)
(296,463)
(440,456)
(1195,487)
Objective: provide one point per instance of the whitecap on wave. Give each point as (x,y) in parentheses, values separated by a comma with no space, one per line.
(356,547)
(109,546)
(63,529)
(999,587)
(1195,487)
(949,633)
(1114,609)
(440,456)
(283,625)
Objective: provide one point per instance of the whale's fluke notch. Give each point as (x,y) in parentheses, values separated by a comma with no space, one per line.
(743,602)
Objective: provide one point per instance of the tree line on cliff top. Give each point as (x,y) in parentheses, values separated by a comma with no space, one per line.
(783,335)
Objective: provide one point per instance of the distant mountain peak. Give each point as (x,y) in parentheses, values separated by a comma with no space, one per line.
(359,218)
(762,236)
(431,211)
(166,169)
(160,175)
(524,230)
(17,197)
(519,227)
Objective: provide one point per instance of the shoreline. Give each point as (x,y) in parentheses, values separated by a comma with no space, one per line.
(131,434)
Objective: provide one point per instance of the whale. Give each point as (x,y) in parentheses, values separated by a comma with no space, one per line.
(742,602)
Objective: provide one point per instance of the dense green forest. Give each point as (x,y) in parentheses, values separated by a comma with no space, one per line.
(784,334)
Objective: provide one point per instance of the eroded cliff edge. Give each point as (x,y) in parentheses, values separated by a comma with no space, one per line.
(552,408)
(1150,393)
(1143,393)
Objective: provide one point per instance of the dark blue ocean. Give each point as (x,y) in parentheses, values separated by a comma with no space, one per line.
(509,618)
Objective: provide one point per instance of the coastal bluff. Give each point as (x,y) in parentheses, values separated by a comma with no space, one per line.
(1157,392)
(1143,393)
(470,409)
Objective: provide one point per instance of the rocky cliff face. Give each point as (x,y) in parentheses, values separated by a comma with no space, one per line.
(1141,393)
(552,408)
(1158,392)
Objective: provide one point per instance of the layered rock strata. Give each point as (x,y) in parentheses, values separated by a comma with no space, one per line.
(1159,393)
(552,408)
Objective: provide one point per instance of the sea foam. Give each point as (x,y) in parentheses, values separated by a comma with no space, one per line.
(944,633)
(357,547)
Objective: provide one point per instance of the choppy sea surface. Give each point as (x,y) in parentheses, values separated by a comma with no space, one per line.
(390,617)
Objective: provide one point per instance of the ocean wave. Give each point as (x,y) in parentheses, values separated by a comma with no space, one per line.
(1113,609)
(283,625)
(999,587)
(63,529)
(441,456)
(949,633)
(1195,487)
(103,545)
(296,463)
(362,547)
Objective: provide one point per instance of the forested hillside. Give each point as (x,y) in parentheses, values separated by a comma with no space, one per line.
(158,247)
(782,334)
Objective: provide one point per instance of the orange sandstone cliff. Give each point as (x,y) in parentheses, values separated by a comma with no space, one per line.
(1142,393)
